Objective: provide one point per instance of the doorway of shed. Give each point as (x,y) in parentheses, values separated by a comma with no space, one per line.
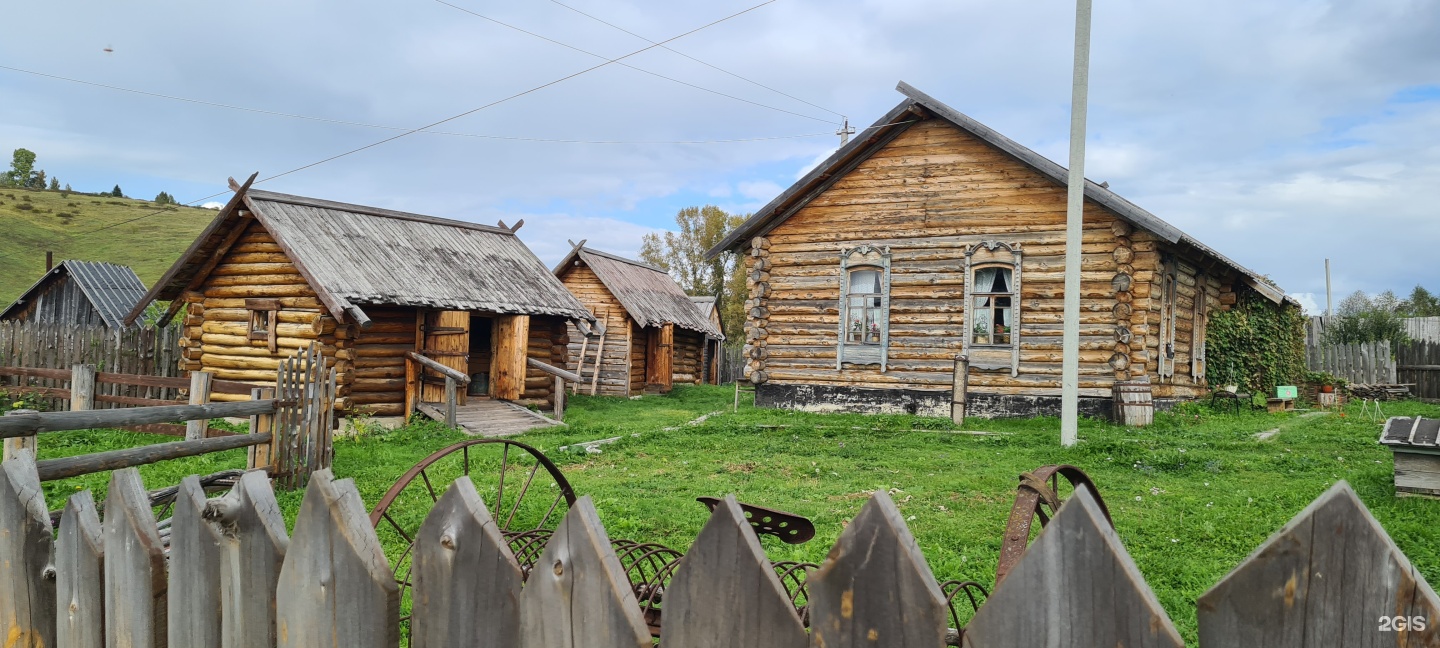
(481,341)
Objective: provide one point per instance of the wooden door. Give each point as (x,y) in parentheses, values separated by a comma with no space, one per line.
(507,361)
(660,358)
(446,340)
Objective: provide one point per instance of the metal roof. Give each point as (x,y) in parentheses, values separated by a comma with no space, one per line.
(355,255)
(706,304)
(649,294)
(114,290)
(913,109)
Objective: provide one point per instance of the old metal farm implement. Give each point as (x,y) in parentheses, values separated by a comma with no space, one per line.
(528,495)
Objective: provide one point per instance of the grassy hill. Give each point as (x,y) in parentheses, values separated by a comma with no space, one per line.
(32,222)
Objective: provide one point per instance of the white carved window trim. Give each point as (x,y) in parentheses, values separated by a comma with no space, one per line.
(1199,320)
(864,256)
(1168,307)
(968,321)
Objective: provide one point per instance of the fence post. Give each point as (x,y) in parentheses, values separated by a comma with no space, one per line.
(336,587)
(80,575)
(193,616)
(27,581)
(199,395)
(252,548)
(449,402)
(578,593)
(959,390)
(451,607)
(1075,586)
(725,593)
(261,457)
(14,445)
(559,398)
(875,588)
(82,387)
(135,584)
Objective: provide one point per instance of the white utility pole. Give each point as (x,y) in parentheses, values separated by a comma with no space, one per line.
(1329,305)
(1070,357)
(845,131)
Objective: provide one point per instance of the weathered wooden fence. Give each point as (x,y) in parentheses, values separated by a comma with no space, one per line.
(1423,329)
(732,364)
(1418,364)
(134,351)
(234,578)
(1368,363)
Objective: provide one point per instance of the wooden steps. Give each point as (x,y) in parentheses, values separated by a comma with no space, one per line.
(484,417)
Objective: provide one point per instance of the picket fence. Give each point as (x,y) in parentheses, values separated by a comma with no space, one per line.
(235,578)
(135,351)
(1369,363)
(1423,329)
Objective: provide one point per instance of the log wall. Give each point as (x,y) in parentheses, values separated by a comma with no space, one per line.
(378,382)
(637,349)
(549,342)
(929,195)
(615,356)
(689,357)
(216,321)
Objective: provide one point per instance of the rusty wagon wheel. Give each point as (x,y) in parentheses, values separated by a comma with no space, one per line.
(524,491)
(1038,497)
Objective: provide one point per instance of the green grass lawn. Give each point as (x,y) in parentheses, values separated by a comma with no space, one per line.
(36,221)
(1191,496)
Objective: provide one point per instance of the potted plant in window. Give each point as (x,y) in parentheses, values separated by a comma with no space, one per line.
(855,326)
(982,333)
(874,332)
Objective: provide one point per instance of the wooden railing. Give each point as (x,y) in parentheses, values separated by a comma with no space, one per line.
(561,376)
(232,566)
(87,390)
(453,379)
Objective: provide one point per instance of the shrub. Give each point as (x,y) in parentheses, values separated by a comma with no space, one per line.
(1257,344)
(25,206)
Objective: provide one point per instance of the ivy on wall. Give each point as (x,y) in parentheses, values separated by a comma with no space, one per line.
(1257,344)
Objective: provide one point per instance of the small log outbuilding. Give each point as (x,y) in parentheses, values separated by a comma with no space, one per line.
(649,335)
(932,236)
(714,353)
(84,293)
(275,272)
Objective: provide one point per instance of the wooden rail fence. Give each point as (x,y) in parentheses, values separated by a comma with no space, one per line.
(134,351)
(234,578)
(1369,363)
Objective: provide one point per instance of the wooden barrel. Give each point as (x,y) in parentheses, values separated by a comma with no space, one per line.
(1133,405)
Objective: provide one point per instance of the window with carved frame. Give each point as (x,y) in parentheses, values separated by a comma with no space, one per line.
(993,304)
(864,326)
(264,319)
(990,334)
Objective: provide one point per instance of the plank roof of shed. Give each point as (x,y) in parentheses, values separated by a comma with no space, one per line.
(361,255)
(114,290)
(916,106)
(649,294)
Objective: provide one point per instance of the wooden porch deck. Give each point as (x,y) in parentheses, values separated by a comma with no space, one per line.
(485,417)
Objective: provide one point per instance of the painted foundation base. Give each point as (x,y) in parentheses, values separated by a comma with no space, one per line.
(923,402)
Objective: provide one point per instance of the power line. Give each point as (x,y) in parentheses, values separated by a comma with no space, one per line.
(344,122)
(654,74)
(709,65)
(447,119)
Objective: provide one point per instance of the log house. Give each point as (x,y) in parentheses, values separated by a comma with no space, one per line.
(85,293)
(714,350)
(653,335)
(275,272)
(932,236)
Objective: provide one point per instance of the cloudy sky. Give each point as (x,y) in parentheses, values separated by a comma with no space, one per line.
(1279,132)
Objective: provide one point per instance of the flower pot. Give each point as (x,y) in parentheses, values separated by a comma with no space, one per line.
(1327,389)
(1232,388)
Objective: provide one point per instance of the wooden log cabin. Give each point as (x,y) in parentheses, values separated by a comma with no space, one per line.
(714,350)
(83,293)
(932,236)
(274,272)
(649,335)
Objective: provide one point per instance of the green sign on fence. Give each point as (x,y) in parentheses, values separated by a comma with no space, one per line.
(1285,391)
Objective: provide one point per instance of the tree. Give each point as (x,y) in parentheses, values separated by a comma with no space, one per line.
(682,254)
(116,193)
(37,181)
(54,184)
(22,165)
(164,199)
(1421,303)
(1362,319)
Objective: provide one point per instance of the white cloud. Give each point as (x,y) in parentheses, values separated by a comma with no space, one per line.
(1308,303)
(546,235)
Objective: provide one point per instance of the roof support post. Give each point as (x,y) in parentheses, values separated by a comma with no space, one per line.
(1074,216)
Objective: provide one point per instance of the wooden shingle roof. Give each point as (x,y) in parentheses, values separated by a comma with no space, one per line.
(649,294)
(353,255)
